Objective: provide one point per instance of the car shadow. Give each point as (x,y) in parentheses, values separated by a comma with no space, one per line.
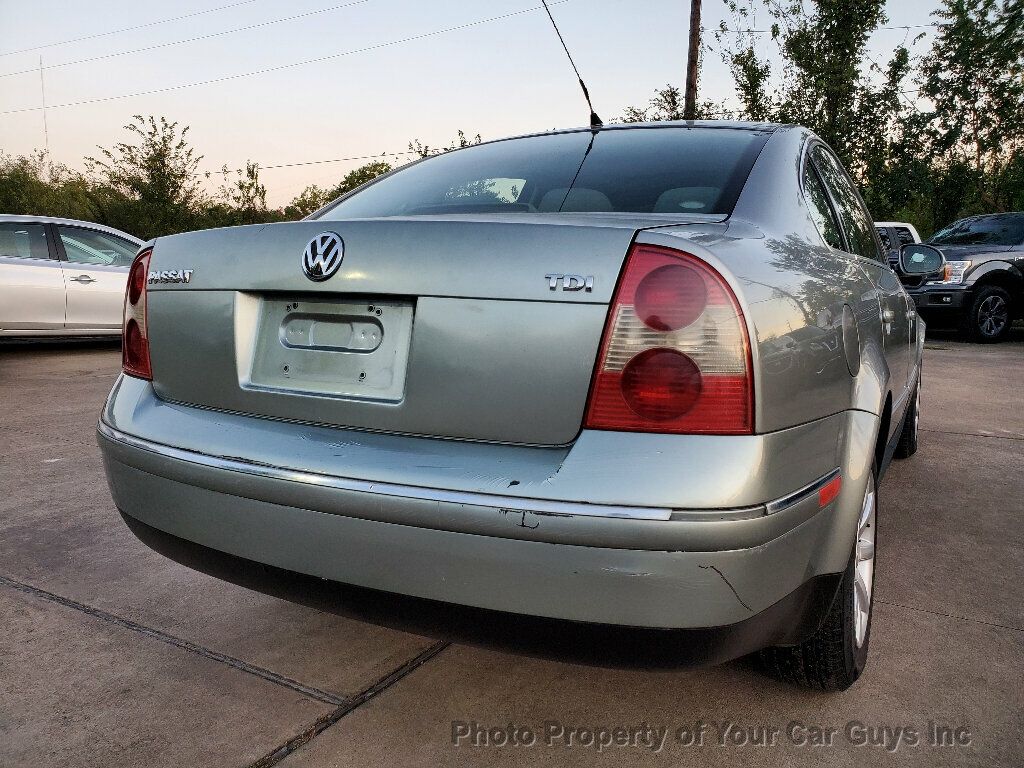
(59,343)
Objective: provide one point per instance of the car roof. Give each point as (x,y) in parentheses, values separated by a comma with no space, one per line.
(33,219)
(1005,214)
(732,124)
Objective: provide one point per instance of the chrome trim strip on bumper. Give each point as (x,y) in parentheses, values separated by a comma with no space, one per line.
(510,503)
(773,507)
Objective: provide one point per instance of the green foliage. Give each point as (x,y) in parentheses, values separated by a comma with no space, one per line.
(312,198)
(423,150)
(667,104)
(964,156)
(821,82)
(360,176)
(974,76)
(149,185)
(33,184)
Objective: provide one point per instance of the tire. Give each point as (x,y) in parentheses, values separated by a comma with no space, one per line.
(990,315)
(907,445)
(835,655)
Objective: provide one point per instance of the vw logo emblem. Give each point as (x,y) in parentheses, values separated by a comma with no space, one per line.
(323,256)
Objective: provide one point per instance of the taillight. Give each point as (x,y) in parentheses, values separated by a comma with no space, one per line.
(135,338)
(675,356)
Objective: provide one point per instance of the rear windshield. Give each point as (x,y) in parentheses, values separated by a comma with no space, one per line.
(986,230)
(639,170)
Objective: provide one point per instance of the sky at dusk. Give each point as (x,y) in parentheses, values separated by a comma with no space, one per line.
(387,73)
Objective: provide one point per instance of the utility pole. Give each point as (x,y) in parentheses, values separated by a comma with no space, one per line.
(42,89)
(692,62)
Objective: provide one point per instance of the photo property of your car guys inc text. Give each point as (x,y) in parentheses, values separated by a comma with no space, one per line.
(526,382)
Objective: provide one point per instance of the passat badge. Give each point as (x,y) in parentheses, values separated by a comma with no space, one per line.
(323,256)
(170,276)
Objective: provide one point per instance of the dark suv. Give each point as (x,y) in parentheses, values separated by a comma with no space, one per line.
(983,287)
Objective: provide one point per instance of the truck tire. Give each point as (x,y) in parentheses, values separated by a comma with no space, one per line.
(989,317)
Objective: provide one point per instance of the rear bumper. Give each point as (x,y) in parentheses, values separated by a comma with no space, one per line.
(755,567)
(790,619)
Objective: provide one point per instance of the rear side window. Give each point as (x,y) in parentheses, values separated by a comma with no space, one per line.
(23,241)
(820,208)
(853,216)
(883,235)
(905,236)
(85,246)
(637,170)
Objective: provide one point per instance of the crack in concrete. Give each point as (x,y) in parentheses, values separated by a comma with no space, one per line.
(278,754)
(186,645)
(949,615)
(972,434)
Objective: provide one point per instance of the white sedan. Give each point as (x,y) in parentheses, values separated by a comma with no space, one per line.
(61,277)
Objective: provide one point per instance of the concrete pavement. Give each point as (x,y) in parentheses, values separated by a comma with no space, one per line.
(112,655)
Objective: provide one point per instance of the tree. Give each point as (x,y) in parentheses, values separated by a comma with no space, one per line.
(359,176)
(423,150)
(667,104)
(241,199)
(974,77)
(33,184)
(150,187)
(822,81)
(929,166)
(312,198)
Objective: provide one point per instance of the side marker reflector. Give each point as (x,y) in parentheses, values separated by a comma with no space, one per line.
(828,492)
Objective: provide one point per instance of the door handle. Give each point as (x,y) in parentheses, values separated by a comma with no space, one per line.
(887,317)
(84,279)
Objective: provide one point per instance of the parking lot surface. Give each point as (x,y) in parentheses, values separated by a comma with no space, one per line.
(111,655)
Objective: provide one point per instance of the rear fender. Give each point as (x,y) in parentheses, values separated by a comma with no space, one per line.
(871,384)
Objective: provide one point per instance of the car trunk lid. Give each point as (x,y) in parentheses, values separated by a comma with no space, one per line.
(439,326)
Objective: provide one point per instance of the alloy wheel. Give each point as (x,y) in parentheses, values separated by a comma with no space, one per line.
(864,566)
(917,408)
(993,315)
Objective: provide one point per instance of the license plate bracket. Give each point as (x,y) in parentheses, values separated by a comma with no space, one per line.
(348,347)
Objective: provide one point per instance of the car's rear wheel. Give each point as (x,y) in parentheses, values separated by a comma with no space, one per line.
(833,657)
(907,446)
(989,317)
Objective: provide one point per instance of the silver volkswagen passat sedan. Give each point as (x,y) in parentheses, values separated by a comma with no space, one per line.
(643,375)
(62,277)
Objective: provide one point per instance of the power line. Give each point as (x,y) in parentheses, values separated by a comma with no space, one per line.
(189,39)
(129,29)
(379,156)
(268,70)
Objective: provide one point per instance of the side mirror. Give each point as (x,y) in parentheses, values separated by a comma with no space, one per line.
(922,260)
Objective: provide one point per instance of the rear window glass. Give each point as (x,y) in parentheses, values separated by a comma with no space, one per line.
(639,170)
(23,241)
(905,235)
(986,230)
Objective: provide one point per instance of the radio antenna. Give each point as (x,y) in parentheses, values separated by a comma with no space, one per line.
(595,121)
